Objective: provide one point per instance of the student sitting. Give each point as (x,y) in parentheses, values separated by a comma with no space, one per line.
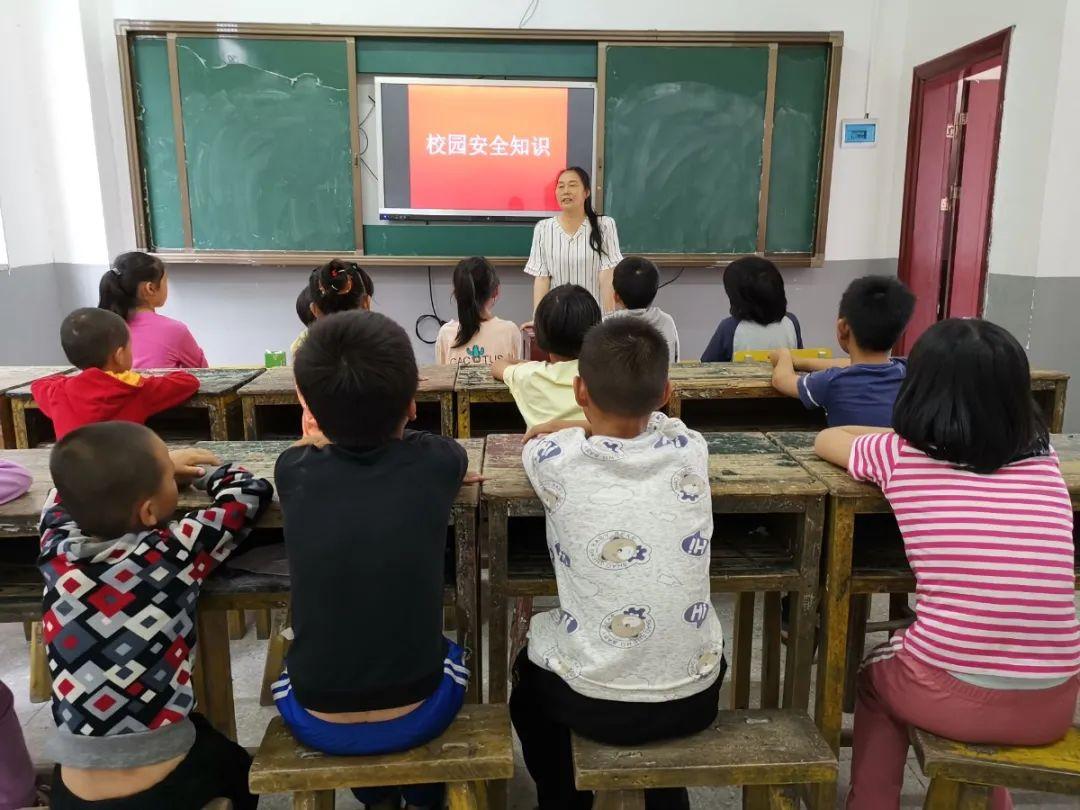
(759,315)
(987,524)
(635,282)
(874,311)
(634,652)
(135,287)
(544,391)
(306,316)
(16,769)
(121,585)
(477,336)
(366,504)
(97,341)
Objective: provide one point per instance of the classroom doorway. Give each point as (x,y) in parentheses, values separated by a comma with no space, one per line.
(953,130)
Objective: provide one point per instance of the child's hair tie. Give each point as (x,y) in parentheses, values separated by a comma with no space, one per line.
(115,270)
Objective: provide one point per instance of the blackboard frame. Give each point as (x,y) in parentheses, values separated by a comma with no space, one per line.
(126,30)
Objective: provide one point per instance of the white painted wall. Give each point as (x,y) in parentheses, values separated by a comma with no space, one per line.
(1058,239)
(935,28)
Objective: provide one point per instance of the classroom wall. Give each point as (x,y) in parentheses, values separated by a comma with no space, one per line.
(65,199)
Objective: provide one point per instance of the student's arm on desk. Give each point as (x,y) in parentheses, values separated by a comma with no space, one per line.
(834,444)
(498,368)
(818,364)
(554,426)
(784,377)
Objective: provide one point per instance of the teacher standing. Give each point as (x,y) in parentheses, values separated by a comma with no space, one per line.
(576,246)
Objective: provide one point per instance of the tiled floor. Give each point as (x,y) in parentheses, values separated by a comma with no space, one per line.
(247,656)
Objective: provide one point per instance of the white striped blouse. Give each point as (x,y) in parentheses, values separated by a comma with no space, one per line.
(569,258)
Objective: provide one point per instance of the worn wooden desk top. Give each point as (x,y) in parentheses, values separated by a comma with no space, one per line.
(719,380)
(12,377)
(19,518)
(213,382)
(841,485)
(740,465)
(1041,378)
(478,378)
(278,382)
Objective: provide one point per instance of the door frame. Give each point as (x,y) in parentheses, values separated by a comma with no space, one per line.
(995,45)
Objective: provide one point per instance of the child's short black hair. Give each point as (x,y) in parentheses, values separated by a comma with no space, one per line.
(636,281)
(563,317)
(102,471)
(357,373)
(755,290)
(877,308)
(967,397)
(624,364)
(90,335)
(303,307)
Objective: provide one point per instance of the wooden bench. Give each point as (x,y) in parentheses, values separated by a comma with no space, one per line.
(763,750)
(961,775)
(477,748)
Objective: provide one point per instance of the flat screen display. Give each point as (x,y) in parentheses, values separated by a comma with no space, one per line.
(479,149)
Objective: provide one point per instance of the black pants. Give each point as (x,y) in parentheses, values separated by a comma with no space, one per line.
(214,768)
(545,710)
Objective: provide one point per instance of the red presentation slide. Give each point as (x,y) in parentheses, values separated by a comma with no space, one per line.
(486,148)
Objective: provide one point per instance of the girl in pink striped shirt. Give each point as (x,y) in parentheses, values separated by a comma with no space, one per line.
(987,522)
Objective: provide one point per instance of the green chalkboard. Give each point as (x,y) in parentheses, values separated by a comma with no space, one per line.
(798,121)
(266,131)
(683,146)
(414,239)
(157,142)
(400,56)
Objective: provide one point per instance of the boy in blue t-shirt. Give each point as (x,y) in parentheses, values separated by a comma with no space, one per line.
(874,311)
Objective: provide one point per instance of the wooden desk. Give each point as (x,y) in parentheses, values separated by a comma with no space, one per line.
(275,390)
(750,402)
(16,377)
(20,589)
(852,568)
(749,476)
(1050,388)
(216,399)
(474,386)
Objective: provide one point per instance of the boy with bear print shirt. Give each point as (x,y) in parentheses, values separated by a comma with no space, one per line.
(634,652)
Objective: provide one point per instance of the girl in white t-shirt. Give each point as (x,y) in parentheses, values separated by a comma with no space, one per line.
(477,336)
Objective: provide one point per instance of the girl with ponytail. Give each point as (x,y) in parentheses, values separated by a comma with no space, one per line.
(577,246)
(135,287)
(336,286)
(477,336)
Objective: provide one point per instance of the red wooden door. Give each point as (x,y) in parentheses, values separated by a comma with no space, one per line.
(922,267)
(967,276)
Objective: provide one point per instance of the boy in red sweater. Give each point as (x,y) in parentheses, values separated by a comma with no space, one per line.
(98,342)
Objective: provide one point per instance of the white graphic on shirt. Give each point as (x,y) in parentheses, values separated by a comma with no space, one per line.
(561,664)
(564,620)
(704,662)
(697,613)
(552,495)
(627,627)
(696,545)
(616,550)
(602,449)
(689,485)
(611,495)
(547,449)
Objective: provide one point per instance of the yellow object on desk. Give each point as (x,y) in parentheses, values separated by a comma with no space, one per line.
(762,355)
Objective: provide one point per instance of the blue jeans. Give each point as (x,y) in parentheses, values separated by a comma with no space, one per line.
(426,722)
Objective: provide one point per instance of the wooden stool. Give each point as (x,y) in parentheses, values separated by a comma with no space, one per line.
(760,749)
(475,749)
(961,775)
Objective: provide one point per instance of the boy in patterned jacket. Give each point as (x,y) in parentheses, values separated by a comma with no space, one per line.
(121,584)
(634,652)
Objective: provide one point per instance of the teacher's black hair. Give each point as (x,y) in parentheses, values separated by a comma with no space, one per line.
(755,289)
(596,238)
(966,398)
(563,316)
(475,283)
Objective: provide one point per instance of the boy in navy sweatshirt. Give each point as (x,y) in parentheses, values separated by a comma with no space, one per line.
(98,342)
(122,579)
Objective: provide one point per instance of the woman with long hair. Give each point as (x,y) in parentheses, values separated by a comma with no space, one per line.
(577,245)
